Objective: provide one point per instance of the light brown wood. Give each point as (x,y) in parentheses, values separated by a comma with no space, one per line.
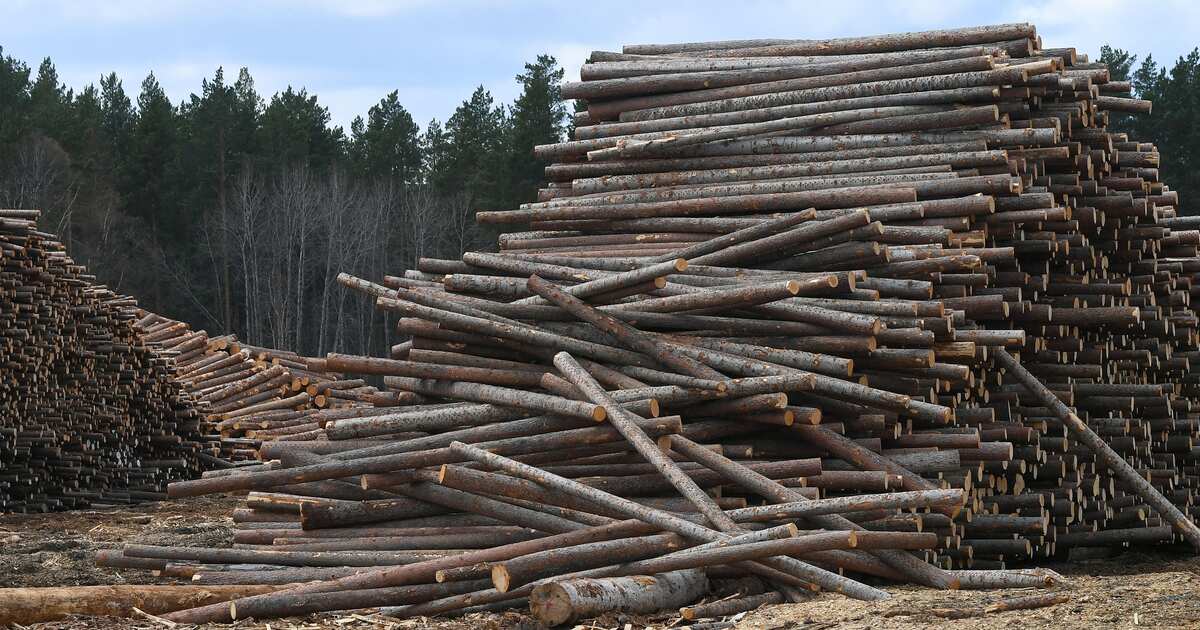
(34,605)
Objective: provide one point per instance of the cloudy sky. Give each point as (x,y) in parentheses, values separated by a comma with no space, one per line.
(352,52)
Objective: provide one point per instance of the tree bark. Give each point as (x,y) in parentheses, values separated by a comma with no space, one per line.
(557,603)
(35,605)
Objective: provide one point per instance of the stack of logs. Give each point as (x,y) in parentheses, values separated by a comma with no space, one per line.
(89,414)
(788,271)
(250,394)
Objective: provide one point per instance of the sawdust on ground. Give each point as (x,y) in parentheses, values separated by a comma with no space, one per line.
(1157,588)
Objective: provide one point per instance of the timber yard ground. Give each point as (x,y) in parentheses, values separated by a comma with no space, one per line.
(1156,588)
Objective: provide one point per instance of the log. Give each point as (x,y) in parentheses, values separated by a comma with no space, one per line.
(24,606)
(559,602)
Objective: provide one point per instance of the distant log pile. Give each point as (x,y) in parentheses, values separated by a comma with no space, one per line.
(89,414)
(250,394)
(787,271)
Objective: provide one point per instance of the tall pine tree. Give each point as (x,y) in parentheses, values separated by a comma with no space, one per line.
(150,185)
(87,143)
(538,116)
(433,150)
(117,120)
(220,133)
(387,145)
(295,131)
(474,137)
(49,102)
(14,100)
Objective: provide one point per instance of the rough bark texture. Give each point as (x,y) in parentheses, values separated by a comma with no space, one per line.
(559,602)
(35,605)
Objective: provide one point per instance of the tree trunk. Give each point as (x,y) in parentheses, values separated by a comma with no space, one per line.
(35,605)
(555,603)
(222,202)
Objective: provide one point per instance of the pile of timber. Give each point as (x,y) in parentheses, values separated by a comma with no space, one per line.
(250,394)
(89,414)
(766,323)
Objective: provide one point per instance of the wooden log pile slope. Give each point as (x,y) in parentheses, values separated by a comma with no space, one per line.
(251,394)
(833,314)
(89,414)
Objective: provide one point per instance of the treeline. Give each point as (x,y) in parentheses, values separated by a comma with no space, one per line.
(1174,124)
(235,213)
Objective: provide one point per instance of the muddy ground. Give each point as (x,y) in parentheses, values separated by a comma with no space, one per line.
(1157,588)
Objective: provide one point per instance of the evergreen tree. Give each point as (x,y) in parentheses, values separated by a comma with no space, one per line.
(433,150)
(1148,78)
(95,222)
(49,102)
(536,117)
(149,182)
(117,119)
(87,144)
(356,149)
(388,145)
(1120,62)
(473,152)
(220,129)
(247,107)
(295,130)
(14,99)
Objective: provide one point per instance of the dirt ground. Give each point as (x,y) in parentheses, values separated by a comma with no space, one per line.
(1150,588)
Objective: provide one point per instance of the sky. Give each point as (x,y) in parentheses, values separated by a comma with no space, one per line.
(351,53)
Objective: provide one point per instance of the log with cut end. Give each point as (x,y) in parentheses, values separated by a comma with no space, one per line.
(558,602)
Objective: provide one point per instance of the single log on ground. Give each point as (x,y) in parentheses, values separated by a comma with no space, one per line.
(35,605)
(555,603)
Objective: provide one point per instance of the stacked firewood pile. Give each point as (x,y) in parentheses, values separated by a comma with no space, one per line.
(250,394)
(766,322)
(89,415)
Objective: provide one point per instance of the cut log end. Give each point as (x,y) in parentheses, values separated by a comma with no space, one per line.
(500,578)
(551,604)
